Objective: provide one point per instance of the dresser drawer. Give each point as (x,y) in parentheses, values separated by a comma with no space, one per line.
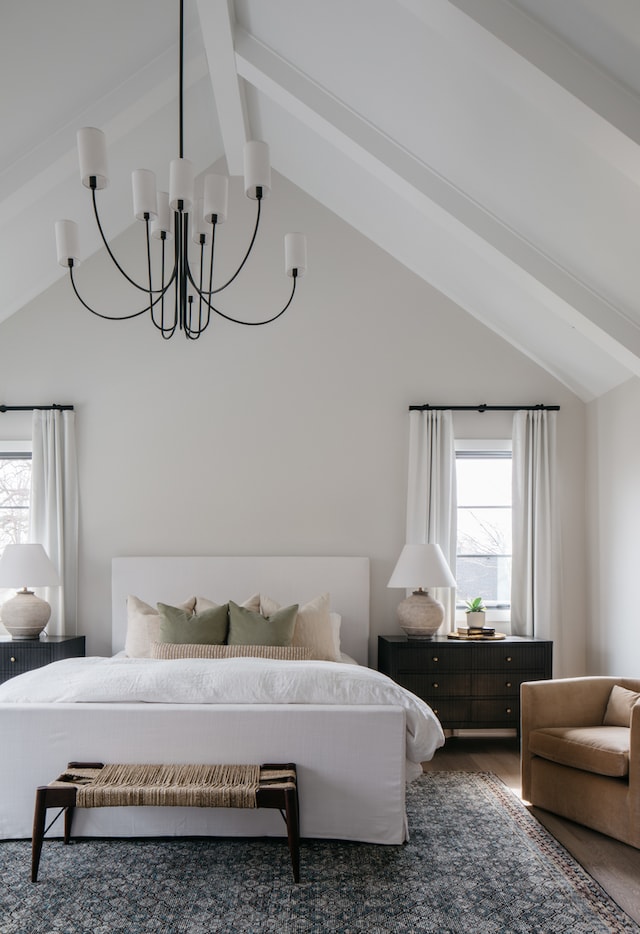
(505,656)
(450,709)
(496,711)
(18,657)
(433,657)
(496,684)
(433,685)
(430,656)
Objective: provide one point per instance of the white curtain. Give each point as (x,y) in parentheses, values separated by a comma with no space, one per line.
(431,498)
(54,511)
(535,574)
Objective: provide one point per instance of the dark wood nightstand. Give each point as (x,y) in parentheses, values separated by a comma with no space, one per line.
(17,656)
(468,685)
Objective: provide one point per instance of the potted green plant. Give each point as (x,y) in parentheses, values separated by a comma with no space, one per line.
(475,613)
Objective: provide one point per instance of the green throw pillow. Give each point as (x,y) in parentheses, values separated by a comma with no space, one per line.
(249,628)
(206,628)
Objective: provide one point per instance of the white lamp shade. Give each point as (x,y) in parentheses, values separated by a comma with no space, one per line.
(257,169)
(67,243)
(216,198)
(145,200)
(421,566)
(163,223)
(199,230)
(295,254)
(27,566)
(92,155)
(181,185)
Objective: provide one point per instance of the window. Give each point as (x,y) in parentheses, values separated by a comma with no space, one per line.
(483,552)
(15,491)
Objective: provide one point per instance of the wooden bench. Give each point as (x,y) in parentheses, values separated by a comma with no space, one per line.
(94,784)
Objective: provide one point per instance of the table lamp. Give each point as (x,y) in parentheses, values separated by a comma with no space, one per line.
(25,615)
(421,566)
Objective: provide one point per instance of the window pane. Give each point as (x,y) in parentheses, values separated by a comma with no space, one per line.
(483,562)
(15,486)
(489,577)
(484,481)
(484,531)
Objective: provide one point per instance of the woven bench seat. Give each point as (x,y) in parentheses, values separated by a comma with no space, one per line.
(94,784)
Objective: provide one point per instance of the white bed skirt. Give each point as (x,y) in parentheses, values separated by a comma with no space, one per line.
(351,765)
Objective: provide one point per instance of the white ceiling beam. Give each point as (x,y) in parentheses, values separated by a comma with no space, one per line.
(217,22)
(543,69)
(396,168)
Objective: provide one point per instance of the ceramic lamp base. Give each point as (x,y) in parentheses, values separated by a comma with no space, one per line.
(25,615)
(420,616)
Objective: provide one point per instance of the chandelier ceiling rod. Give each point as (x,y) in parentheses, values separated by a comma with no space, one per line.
(176,215)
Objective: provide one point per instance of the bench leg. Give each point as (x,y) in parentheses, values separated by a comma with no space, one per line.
(49,797)
(39,818)
(293,829)
(68,820)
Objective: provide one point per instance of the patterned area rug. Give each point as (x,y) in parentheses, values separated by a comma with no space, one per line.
(477,862)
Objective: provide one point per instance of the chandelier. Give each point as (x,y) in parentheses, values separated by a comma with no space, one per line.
(183,300)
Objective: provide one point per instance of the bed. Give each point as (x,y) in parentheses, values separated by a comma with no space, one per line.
(355,745)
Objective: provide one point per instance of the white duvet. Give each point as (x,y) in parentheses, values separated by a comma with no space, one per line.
(225,681)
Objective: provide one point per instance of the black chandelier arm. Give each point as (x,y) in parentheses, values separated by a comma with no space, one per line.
(201,298)
(222,314)
(167,332)
(211,291)
(142,288)
(99,314)
(193,333)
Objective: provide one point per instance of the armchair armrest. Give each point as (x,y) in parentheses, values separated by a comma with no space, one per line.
(563,702)
(634,763)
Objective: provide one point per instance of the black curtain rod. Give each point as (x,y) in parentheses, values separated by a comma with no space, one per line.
(483,408)
(32,408)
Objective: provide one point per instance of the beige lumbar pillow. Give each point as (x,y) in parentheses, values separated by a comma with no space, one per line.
(181,650)
(143,626)
(316,627)
(618,712)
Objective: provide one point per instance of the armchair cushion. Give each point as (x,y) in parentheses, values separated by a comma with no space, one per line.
(600,749)
(621,701)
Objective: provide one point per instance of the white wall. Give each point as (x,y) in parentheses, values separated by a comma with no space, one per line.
(288,439)
(614,517)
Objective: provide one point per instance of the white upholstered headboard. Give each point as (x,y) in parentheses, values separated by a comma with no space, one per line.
(286,579)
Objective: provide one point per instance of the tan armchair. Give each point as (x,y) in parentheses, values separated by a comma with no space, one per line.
(576,765)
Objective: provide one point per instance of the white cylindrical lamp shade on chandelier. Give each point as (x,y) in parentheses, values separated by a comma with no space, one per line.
(178,215)
(26,615)
(421,567)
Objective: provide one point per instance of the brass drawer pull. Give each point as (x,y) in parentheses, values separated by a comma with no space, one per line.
(508,710)
(13,658)
(508,684)
(435,659)
(435,685)
(508,659)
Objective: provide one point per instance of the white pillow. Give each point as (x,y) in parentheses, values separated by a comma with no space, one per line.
(314,627)
(253,604)
(143,626)
(336,622)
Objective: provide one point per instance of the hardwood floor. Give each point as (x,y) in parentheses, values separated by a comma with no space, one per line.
(614,865)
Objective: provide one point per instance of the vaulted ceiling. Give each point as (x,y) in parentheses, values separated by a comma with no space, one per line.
(490,146)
